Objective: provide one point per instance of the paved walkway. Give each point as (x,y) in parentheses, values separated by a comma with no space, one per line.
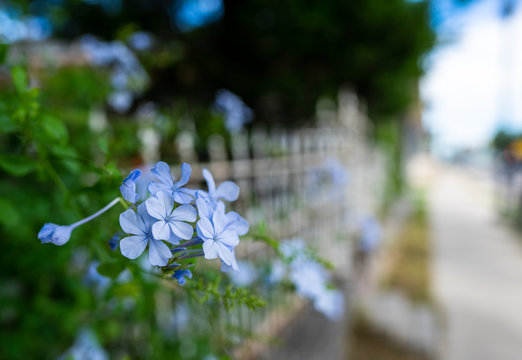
(477,269)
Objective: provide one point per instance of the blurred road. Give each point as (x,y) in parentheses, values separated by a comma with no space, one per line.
(477,268)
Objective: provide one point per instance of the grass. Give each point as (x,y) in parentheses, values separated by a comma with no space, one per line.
(409,270)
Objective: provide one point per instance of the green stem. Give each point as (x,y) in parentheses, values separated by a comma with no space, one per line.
(55,177)
(123,203)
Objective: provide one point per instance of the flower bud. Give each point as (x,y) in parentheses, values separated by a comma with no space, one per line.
(55,234)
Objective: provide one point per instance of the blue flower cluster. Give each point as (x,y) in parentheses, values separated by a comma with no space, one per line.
(128,77)
(176,223)
(171,221)
(310,278)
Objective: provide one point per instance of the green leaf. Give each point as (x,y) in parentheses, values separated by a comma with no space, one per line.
(16,164)
(8,213)
(7,125)
(111,269)
(103,144)
(55,128)
(127,289)
(19,76)
(64,151)
(3,52)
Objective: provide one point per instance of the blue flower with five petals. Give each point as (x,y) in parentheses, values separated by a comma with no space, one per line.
(233,222)
(169,220)
(218,240)
(139,225)
(166,183)
(227,190)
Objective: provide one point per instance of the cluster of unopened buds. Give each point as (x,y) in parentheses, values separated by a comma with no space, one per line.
(175,223)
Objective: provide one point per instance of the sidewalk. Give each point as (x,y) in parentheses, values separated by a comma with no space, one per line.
(477,269)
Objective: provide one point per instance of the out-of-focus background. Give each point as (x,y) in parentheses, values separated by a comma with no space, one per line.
(385,135)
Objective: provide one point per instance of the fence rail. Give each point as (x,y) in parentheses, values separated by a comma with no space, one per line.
(313,183)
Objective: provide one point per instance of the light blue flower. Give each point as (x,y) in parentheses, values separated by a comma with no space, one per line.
(93,278)
(169,220)
(140,40)
(218,241)
(182,276)
(309,278)
(293,249)
(139,225)
(336,171)
(204,206)
(277,272)
(234,221)
(60,234)
(114,241)
(128,188)
(86,347)
(240,226)
(233,265)
(227,190)
(331,304)
(237,114)
(370,234)
(166,182)
(55,234)
(246,276)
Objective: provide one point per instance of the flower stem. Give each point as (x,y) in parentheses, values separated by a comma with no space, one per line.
(97,213)
(123,203)
(195,241)
(190,256)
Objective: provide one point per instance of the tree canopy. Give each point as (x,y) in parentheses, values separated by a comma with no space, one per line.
(280,56)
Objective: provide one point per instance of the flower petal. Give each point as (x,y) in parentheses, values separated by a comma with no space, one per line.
(227,190)
(184,213)
(133,246)
(133,176)
(155,187)
(162,171)
(147,219)
(210,249)
(228,237)
(181,229)
(128,187)
(186,170)
(128,191)
(173,239)
(219,220)
(210,180)
(184,196)
(234,266)
(56,234)
(159,253)
(204,209)
(205,229)
(225,254)
(237,223)
(132,223)
(161,230)
(160,206)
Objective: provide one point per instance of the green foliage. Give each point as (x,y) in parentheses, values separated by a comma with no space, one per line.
(55,168)
(388,138)
(503,139)
(280,56)
(229,296)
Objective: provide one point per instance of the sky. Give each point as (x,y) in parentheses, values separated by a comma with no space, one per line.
(473,84)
